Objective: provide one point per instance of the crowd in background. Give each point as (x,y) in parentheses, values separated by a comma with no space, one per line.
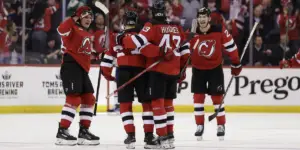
(44,16)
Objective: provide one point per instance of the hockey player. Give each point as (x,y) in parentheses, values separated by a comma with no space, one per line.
(77,46)
(293,62)
(129,65)
(157,40)
(207,73)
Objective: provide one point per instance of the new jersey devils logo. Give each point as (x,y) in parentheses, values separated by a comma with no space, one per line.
(207,48)
(85,46)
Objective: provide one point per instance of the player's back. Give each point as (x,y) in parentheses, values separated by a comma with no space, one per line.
(165,35)
(134,58)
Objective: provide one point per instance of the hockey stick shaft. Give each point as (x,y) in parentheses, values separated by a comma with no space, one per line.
(214,115)
(134,78)
(99,74)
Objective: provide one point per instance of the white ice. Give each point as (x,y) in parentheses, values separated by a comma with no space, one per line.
(243,132)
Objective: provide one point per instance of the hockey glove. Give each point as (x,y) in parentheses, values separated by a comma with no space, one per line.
(236,69)
(168,54)
(119,38)
(182,77)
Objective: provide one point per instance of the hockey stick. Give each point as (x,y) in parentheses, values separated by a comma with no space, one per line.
(147,69)
(193,30)
(211,117)
(105,11)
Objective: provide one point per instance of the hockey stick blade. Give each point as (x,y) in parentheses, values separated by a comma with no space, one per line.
(102,7)
(214,115)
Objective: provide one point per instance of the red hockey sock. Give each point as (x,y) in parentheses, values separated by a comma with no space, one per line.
(159,116)
(69,110)
(199,108)
(170,114)
(127,117)
(148,117)
(86,109)
(221,120)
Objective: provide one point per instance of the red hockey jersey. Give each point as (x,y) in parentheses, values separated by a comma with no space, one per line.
(207,48)
(293,31)
(135,59)
(156,35)
(98,40)
(77,42)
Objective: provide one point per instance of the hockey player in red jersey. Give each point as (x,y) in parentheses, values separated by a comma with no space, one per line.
(77,47)
(207,72)
(157,40)
(129,65)
(293,62)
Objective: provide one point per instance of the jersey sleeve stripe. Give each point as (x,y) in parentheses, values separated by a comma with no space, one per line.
(229,43)
(231,48)
(144,39)
(187,51)
(64,34)
(104,64)
(136,41)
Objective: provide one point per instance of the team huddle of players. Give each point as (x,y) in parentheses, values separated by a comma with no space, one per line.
(135,49)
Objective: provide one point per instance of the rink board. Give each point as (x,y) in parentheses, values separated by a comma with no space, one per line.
(31,89)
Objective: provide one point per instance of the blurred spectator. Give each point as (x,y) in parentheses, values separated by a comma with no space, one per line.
(41,21)
(117,21)
(259,53)
(276,54)
(189,13)
(293,26)
(216,15)
(177,8)
(170,13)
(73,5)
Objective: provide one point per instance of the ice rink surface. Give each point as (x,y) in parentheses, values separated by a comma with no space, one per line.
(243,132)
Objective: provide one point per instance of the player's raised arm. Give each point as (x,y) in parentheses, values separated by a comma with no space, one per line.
(232,51)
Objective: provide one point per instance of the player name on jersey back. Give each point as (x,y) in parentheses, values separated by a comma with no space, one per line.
(169,29)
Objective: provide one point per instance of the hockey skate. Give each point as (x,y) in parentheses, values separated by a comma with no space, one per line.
(199,132)
(130,141)
(85,137)
(164,142)
(63,137)
(221,132)
(151,141)
(171,140)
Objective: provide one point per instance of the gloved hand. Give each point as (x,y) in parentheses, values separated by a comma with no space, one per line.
(236,69)
(285,64)
(106,72)
(182,77)
(96,55)
(119,38)
(167,55)
(120,49)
